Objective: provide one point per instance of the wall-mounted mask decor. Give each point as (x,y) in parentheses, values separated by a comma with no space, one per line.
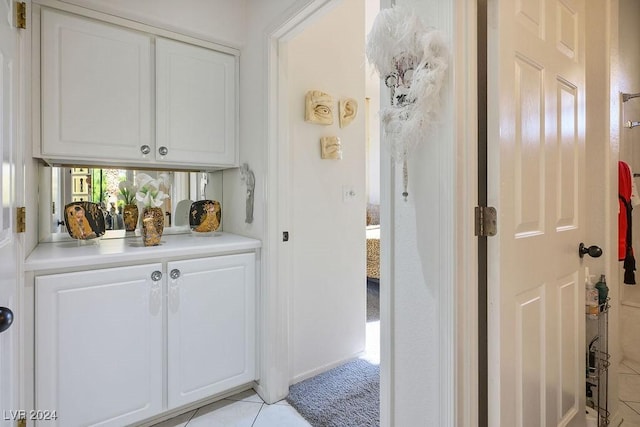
(249,179)
(318,108)
(331,148)
(411,59)
(348,108)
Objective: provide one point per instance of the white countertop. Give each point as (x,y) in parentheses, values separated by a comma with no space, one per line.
(98,252)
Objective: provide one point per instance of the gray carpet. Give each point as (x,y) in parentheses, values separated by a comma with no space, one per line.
(346,396)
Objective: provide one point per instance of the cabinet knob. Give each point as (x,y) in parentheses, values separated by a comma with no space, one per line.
(145,149)
(163,151)
(156,276)
(175,273)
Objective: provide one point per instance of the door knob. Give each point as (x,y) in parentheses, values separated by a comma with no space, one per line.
(593,251)
(6,318)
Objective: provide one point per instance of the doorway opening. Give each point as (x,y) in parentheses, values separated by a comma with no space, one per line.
(629,295)
(324,64)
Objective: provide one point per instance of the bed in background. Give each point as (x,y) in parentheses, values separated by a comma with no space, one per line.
(373,243)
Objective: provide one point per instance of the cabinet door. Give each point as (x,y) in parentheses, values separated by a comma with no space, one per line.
(96,89)
(195,105)
(211,325)
(99,346)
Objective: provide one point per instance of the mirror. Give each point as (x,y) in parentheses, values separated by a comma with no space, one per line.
(102,186)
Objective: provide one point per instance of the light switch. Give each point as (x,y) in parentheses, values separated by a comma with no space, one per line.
(348,193)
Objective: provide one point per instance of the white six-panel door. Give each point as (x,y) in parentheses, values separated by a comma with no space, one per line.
(536,96)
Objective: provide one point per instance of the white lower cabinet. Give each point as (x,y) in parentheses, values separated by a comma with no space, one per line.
(211,326)
(104,352)
(99,346)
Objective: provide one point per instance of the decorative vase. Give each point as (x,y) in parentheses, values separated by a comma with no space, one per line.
(130,216)
(152,226)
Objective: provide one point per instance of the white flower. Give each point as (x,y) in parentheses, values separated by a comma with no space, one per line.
(149,193)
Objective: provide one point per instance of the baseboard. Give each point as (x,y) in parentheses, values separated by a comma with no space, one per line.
(313,372)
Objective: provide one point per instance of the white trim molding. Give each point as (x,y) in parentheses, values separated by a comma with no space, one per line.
(275,358)
(465,300)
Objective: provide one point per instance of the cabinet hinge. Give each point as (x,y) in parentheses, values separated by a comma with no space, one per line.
(21,219)
(22,422)
(486,221)
(21,15)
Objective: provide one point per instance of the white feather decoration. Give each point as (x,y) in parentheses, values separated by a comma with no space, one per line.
(412,59)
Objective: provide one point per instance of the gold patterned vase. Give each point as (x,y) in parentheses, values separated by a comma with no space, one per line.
(130,217)
(152,226)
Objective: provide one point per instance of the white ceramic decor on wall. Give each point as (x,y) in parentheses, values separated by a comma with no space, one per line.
(318,108)
(348,108)
(331,148)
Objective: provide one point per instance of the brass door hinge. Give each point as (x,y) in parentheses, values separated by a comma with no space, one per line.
(21,15)
(486,221)
(21,219)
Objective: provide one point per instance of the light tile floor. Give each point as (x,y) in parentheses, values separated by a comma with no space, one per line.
(629,393)
(247,409)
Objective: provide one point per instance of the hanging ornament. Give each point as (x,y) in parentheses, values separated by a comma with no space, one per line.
(411,59)
(405,179)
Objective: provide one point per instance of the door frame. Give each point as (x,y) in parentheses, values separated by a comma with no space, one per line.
(278,269)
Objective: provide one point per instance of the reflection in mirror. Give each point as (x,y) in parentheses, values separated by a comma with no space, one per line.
(103,186)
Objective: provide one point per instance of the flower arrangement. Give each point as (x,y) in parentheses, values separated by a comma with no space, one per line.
(127,192)
(149,192)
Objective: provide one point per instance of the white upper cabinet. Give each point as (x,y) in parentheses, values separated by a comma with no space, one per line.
(96,89)
(195,104)
(99,104)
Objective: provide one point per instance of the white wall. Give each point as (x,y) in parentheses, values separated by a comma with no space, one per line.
(328,234)
(372,7)
(423,266)
(262,16)
(220,21)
